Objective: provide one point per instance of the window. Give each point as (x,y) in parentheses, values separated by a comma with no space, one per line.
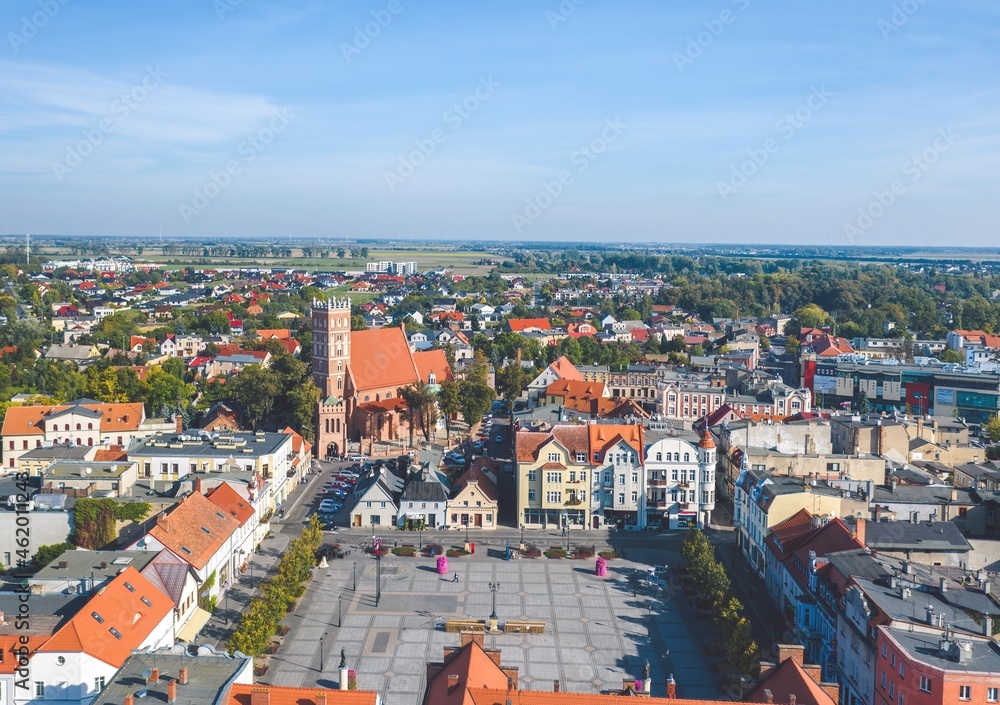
(635,497)
(925,684)
(965,692)
(553,497)
(902,670)
(553,477)
(687,457)
(99,684)
(99,618)
(532,476)
(531,495)
(885,650)
(992,694)
(635,478)
(581,457)
(621,478)
(553,457)
(375,520)
(892,690)
(659,456)
(892,659)
(115,633)
(39,689)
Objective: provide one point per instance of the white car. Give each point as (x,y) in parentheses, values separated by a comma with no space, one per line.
(356,458)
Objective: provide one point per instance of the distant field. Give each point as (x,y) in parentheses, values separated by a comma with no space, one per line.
(462,262)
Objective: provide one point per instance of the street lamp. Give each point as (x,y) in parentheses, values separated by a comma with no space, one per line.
(565,518)
(354,573)
(321,652)
(340,610)
(494,588)
(522,536)
(465,521)
(420,535)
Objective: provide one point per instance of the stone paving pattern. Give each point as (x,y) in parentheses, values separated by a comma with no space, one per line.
(597,632)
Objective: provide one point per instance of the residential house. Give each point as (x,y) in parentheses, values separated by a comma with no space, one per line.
(474,500)
(680,483)
(560,369)
(424,499)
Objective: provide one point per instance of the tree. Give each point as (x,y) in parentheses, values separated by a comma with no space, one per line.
(993,429)
(741,649)
(254,389)
(46,554)
(413,399)
(952,357)
(511,380)
(165,393)
(812,316)
(475,399)
(304,402)
(449,403)
(864,406)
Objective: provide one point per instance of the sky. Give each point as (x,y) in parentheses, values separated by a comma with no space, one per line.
(741,121)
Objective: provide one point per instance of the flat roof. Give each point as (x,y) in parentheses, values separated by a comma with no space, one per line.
(240,445)
(926,648)
(101,564)
(66,470)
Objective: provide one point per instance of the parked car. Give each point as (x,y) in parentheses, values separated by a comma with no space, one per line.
(498,439)
(328,505)
(356,458)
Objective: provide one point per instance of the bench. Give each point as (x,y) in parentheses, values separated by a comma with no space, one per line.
(524,627)
(475,626)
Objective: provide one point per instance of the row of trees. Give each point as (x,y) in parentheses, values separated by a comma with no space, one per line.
(713,588)
(261,619)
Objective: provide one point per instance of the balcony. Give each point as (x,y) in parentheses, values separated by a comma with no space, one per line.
(656,483)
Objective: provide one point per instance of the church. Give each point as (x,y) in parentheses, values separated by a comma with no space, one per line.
(359,375)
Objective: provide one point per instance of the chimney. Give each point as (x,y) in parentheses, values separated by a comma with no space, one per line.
(555,686)
(183,676)
(197,485)
(260,696)
(171,691)
(671,687)
(130,699)
(859,532)
(832,690)
(944,584)
(929,611)
(154,676)
(452,681)
(768,695)
(791,699)
(954,495)
(321,698)
(63,565)
(180,424)
(795,652)
(987,626)
(161,521)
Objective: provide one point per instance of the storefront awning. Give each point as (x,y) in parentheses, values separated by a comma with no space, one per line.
(190,630)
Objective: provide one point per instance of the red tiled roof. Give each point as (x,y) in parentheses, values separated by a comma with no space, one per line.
(519,325)
(241,694)
(474,668)
(195,530)
(433,361)
(565,369)
(789,678)
(29,420)
(231,502)
(603,436)
(381,357)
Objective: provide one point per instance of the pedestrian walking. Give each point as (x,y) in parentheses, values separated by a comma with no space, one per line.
(455,579)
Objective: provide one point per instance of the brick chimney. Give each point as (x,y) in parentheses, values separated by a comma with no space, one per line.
(768,695)
(791,699)
(171,691)
(671,687)
(260,696)
(467,638)
(860,531)
(555,686)
(452,683)
(183,676)
(321,698)
(197,485)
(180,424)
(154,676)
(130,699)
(831,689)
(796,652)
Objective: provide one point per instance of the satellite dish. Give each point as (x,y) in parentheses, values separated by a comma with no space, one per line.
(88,470)
(146,674)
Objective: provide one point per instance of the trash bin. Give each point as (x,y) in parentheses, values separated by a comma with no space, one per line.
(472,547)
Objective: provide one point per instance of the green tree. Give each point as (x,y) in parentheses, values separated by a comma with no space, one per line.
(46,554)
(304,401)
(741,649)
(812,316)
(993,429)
(254,389)
(863,405)
(952,357)
(165,393)
(475,399)
(511,380)
(449,402)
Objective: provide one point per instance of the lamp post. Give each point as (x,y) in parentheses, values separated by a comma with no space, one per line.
(494,588)
(420,535)
(466,522)
(522,537)
(321,652)
(565,518)
(354,573)
(340,610)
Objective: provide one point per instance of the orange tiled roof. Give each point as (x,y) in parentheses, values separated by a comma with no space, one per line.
(195,529)
(381,357)
(519,325)
(979,337)
(231,502)
(122,607)
(602,436)
(278,333)
(474,668)
(29,420)
(9,645)
(500,696)
(110,455)
(240,694)
(573,388)
(789,678)
(565,369)
(433,361)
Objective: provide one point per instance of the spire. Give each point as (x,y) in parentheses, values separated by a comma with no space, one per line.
(706,441)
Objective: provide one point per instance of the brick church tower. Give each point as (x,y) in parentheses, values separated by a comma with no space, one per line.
(331,348)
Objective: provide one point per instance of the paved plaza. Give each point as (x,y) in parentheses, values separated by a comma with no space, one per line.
(597,632)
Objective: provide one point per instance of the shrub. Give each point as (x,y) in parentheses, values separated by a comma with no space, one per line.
(531,551)
(457,552)
(436,547)
(556,553)
(584,552)
(405,551)
(608,555)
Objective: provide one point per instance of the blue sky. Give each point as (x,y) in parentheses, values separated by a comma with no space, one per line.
(722,121)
